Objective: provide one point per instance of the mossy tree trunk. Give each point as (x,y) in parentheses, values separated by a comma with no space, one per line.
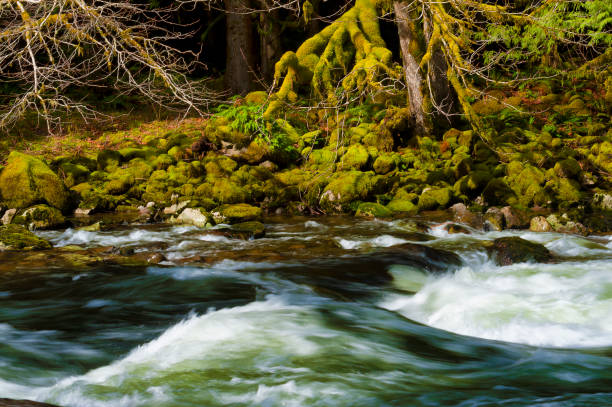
(430,96)
(412,50)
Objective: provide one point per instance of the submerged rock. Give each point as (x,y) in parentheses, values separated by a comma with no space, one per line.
(243,231)
(509,250)
(16,237)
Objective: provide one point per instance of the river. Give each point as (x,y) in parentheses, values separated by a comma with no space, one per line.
(302,317)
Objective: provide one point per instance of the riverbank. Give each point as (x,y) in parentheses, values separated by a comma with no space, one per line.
(365,163)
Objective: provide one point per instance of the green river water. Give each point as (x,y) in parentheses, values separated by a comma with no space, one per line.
(304,318)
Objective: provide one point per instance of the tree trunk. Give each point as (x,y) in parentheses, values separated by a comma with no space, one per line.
(414,79)
(240,60)
(270,40)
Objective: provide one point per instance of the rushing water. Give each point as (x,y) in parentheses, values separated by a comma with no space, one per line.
(290,320)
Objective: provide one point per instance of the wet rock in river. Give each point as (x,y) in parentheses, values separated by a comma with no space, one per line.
(539,224)
(509,250)
(494,219)
(191,216)
(236,213)
(515,218)
(23,403)
(244,231)
(40,217)
(16,237)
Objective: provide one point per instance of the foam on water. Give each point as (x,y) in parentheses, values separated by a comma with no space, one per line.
(553,305)
(379,241)
(114,238)
(258,346)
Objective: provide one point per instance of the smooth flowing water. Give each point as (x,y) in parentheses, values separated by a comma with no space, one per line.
(304,318)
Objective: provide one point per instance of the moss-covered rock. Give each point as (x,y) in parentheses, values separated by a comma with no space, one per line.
(108,160)
(497,192)
(40,217)
(163,161)
(435,198)
(27,180)
(568,168)
(72,174)
(236,213)
(347,188)
(402,206)
(355,158)
(373,210)
(385,163)
(16,237)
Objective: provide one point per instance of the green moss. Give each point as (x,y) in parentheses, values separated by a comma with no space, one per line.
(385,163)
(219,166)
(27,180)
(372,210)
(568,168)
(108,160)
(322,158)
(497,192)
(347,188)
(225,191)
(72,174)
(355,158)
(236,213)
(435,198)
(488,107)
(258,97)
(40,217)
(527,184)
(568,191)
(19,238)
(256,152)
(177,152)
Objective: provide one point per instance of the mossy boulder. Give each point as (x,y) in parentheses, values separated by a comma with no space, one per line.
(568,168)
(236,213)
(509,250)
(40,217)
(163,161)
(527,183)
(435,198)
(373,210)
(402,206)
(72,173)
(108,160)
(385,163)
(346,188)
(26,180)
(497,192)
(355,158)
(16,237)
